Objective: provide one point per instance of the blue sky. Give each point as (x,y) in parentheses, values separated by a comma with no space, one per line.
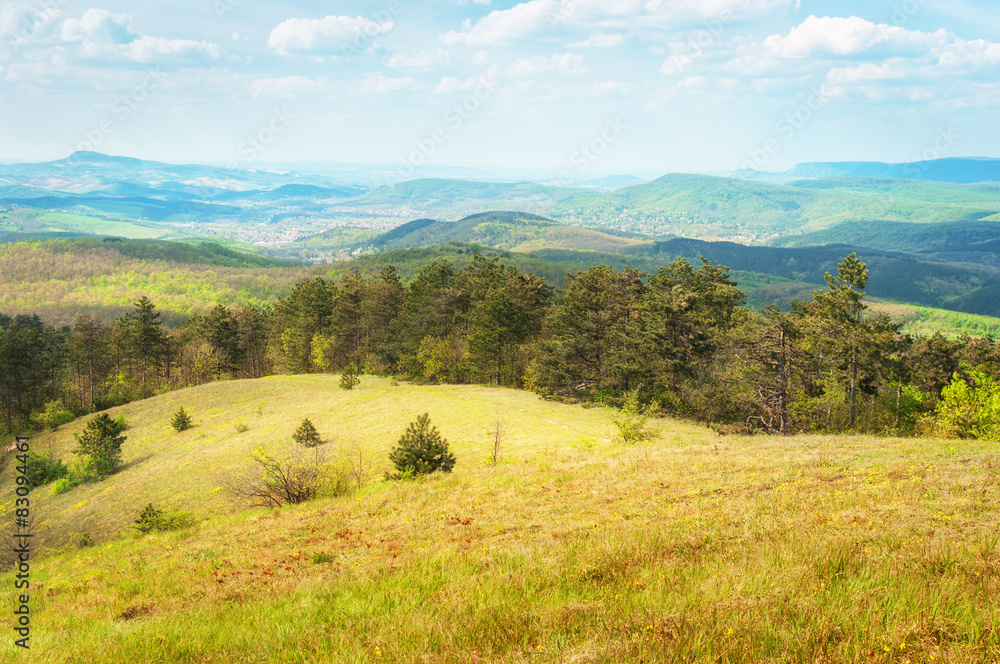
(581,88)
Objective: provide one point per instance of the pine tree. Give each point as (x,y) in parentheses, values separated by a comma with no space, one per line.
(181,421)
(102,442)
(349,378)
(306,435)
(422,449)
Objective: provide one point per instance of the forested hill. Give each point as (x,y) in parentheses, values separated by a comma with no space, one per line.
(896,276)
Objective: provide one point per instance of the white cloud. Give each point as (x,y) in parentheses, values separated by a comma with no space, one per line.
(849,37)
(562,63)
(155,49)
(419,59)
(102,35)
(20,22)
(599,40)
(98,28)
(507,25)
(332,35)
(379,83)
(288,87)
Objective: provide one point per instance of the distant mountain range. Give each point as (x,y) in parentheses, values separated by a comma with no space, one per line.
(962,170)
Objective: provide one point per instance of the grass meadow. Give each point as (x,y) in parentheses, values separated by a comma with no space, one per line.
(690,547)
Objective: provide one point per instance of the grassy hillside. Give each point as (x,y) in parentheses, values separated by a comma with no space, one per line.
(60,280)
(688,548)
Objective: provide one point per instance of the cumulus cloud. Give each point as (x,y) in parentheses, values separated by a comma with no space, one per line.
(507,25)
(331,35)
(849,37)
(20,22)
(102,35)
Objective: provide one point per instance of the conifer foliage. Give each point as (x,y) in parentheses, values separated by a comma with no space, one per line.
(306,435)
(181,421)
(421,450)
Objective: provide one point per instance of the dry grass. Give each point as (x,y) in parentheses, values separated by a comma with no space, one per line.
(688,548)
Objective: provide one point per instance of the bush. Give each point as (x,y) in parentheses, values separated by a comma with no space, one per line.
(290,480)
(306,435)
(99,448)
(181,421)
(349,377)
(151,519)
(421,450)
(54,415)
(44,468)
(241,427)
(60,487)
(630,420)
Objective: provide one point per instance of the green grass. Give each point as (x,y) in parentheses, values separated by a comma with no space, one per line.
(59,221)
(690,547)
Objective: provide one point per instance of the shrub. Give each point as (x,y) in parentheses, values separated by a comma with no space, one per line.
(290,480)
(306,435)
(181,421)
(54,415)
(60,487)
(630,420)
(422,449)
(101,442)
(151,519)
(84,541)
(241,427)
(320,558)
(44,468)
(349,377)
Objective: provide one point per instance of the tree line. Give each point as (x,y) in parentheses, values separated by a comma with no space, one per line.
(681,340)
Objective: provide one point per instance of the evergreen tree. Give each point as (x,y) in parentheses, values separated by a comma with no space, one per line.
(422,449)
(349,378)
(101,441)
(181,421)
(306,435)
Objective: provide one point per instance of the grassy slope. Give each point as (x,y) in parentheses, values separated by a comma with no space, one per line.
(693,547)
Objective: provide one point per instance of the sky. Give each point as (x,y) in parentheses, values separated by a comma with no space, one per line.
(575,88)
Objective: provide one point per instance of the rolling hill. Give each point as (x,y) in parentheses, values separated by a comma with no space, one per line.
(571,548)
(962,170)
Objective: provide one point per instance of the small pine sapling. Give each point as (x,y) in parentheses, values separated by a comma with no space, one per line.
(306,435)
(421,450)
(181,421)
(349,378)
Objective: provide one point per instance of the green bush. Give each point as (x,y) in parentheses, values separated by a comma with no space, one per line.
(969,408)
(60,487)
(54,415)
(306,435)
(630,421)
(181,421)
(421,450)
(45,468)
(151,519)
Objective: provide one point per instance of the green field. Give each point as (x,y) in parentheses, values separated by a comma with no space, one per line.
(691,547)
